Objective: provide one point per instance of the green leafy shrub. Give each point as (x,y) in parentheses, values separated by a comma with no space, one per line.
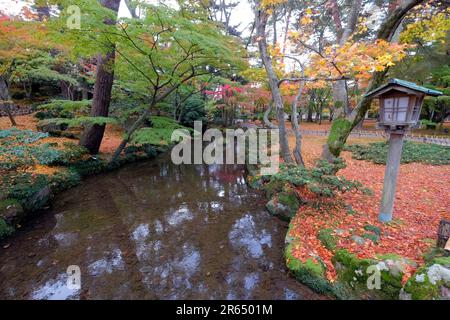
(427,124)
(194,110)
(321,180)
(159,134)
(412,152)
(81,121)
(63,109)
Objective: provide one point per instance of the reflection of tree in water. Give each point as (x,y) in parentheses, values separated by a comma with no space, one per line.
(157,231)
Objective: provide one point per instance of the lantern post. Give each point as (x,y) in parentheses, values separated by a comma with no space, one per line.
(400,105)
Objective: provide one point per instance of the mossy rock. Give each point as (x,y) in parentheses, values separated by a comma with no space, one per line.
(252,169)
(11,211)
(351,274)
(430,282)
(435,252)
(310,272)
(284,205)
(354,274)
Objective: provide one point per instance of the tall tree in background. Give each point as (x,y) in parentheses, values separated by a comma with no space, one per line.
(261,18)
(344,124)
(344,31)
(93,134)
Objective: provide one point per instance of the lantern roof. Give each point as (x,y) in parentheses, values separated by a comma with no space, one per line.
(397,84)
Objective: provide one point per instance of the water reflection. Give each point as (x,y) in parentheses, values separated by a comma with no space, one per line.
(245,235)
(56,290)
(153,231)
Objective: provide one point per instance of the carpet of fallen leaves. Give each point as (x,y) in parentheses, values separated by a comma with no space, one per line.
(422,200)
(111,139)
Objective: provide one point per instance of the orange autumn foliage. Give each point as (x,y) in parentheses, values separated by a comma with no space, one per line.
(422,200)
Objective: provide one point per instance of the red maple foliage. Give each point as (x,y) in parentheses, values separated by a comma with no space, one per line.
(422,200)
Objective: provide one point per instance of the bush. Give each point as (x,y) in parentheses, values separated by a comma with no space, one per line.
(159,134)
(194,110)
(427,124)
(321,180)
(63,109)
(412,152)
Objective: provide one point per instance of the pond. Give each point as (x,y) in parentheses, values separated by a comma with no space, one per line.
(153,230)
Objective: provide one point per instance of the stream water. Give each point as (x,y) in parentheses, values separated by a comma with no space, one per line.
(153,230)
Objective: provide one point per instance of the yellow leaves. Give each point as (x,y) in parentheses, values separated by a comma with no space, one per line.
(265,4)
(355,60)
(306,20)
(432,28)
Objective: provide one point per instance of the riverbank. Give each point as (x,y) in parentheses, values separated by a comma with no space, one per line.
(36,166)
(333,248)
(154,230)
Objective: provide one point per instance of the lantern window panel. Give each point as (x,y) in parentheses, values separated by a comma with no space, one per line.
(396,109)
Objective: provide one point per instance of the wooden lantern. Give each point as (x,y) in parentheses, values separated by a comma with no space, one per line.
(443,234)
(400,104)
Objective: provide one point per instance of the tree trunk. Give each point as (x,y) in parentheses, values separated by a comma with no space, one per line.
(343,124)
(296,127)
(6,99)
(261,22)
(340,90)
(266,120)
(92,136)
(309,117)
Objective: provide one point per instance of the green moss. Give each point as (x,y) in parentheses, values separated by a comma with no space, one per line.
(352,273)
(339,132)
(289,199)
(328,240)
(420,287)
(373,229)
(373,237)
(445,261)
(389,256)
(24,187)
(273,187)
(5,229)
(311,273)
